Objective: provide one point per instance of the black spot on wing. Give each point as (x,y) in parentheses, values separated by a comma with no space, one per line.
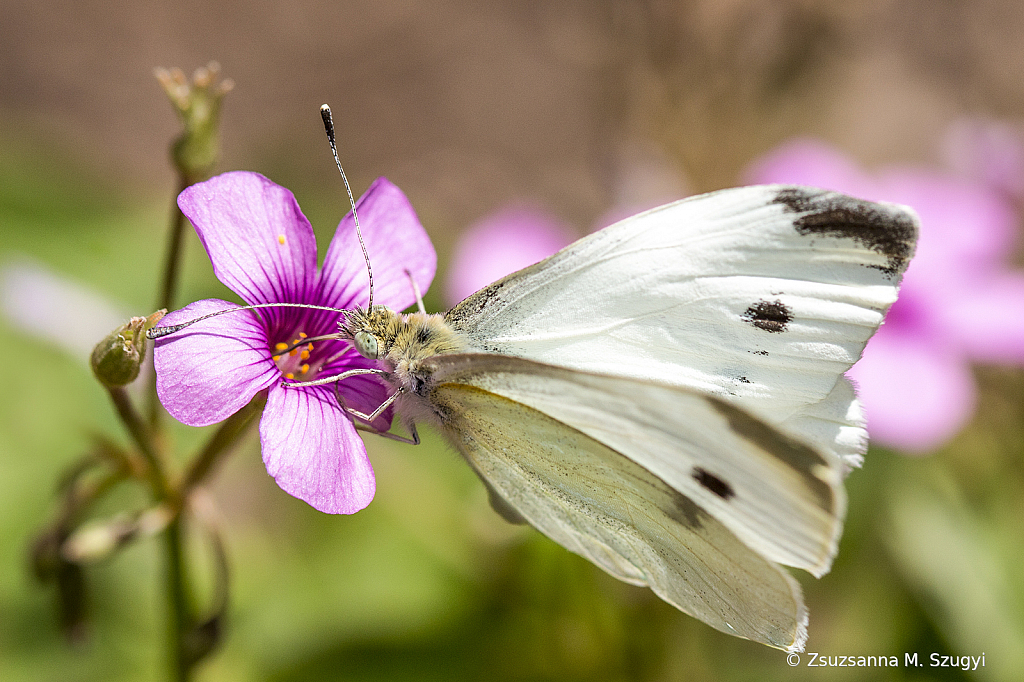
(743,380)
(800,456)
(771,316)
(713,483)
(885,229)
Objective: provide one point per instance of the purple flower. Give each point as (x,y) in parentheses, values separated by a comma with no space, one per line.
(959,302)
(262,247)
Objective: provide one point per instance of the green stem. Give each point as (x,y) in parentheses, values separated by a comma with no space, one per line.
(142,435)
(179,621)
(173,262)
(221,441)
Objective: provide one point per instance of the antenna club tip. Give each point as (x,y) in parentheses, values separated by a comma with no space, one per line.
(325,114)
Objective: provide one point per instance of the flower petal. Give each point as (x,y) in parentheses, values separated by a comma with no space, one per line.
(916,392)
(210,370)
(500,244)
(260,244)
(395,241)
(56,308)
(313,452)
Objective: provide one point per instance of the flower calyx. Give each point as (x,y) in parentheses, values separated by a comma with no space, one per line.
(117,358)
(197,102)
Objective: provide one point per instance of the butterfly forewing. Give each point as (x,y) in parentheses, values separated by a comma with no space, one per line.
(763,296)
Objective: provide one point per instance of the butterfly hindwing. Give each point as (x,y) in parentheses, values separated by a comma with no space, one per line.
(600,504)
(779,496)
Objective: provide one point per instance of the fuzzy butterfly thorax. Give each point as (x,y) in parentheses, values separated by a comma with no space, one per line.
(402,342)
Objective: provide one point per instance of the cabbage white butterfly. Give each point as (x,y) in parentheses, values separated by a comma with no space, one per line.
(665,397)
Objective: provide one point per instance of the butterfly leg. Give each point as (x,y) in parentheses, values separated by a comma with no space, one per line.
(373,415)
(333,379)
(416,290)
(415,440)
(368,427)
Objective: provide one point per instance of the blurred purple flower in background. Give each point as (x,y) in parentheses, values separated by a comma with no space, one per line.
(988,151)
(263,248)
(502,243)
(520,235)
(960,301)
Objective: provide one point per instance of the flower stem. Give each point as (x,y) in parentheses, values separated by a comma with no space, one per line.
(142,435)
(181,622)
(173,261)
(177,601)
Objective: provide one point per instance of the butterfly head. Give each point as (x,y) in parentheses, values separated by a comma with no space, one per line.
(371,332)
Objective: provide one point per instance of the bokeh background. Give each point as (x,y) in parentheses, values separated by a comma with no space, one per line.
(577,107)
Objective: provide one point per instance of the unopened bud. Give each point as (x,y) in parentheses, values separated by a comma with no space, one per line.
(97,540)
(197,102)
(117,358)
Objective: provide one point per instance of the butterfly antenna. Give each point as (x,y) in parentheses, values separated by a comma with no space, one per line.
(157,332)
(325,114)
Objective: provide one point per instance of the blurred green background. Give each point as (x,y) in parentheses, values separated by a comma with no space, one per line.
(467,106)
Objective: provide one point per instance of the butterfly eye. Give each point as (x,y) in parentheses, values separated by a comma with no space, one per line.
(366,344)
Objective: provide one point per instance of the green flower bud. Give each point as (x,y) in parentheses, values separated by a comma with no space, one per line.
(197,102)
(116,359)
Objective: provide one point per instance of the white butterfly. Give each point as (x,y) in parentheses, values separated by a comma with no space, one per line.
(666,397)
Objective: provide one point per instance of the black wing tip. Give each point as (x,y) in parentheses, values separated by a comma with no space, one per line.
(888,229)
